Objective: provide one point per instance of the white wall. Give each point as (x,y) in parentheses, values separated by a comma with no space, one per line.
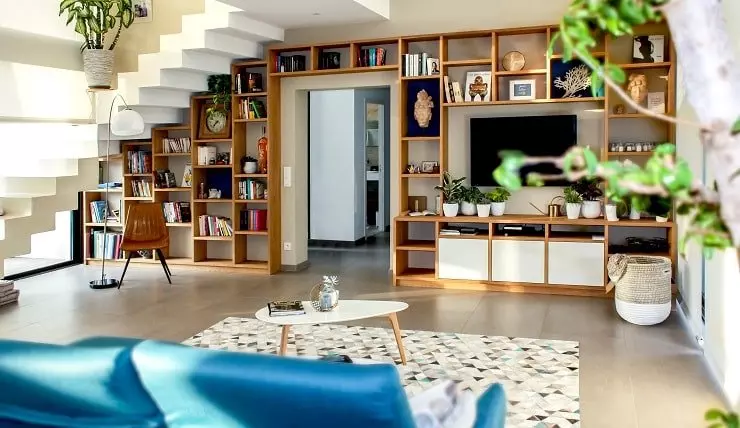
(332,162)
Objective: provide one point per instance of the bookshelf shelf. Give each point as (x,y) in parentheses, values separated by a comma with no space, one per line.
(214,201)
(251,94)
(251,232)
(532,72)
(213,140)
(212,166)
(433,76)
(179,224)
(468,62)
(261,120)
(251,175)
(645,65)
(213,238)
(149,174)
(250,201)
(173,189)
(171,154)
(137,198)
(112,190)
(110,224)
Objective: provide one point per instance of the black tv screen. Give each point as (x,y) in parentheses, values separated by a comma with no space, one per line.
(533,135)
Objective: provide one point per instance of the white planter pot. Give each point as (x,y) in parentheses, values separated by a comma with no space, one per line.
(660,219)
(498,208)
(450,210)
(250,167)
(467,208)
(98,66)
(591,209)
(611,212)
(484,210)
(573,211)
(634,214)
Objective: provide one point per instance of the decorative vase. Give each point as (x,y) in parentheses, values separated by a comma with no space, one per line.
(484,210)
(450,210)
(98,66)
(611,212)
(329,298)
(262,154)
(573,210)
(250,167)
(423,109)
(467,208)
(634,214)
(591,209)
(498,208)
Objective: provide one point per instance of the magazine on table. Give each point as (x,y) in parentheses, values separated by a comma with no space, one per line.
(282,308)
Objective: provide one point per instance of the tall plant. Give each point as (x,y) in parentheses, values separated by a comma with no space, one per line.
(220,86)
(94,19)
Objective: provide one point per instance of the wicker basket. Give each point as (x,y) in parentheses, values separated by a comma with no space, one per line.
(643,287)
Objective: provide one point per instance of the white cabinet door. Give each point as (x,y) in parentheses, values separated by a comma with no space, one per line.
(463,259)
(518,261)
(576,263)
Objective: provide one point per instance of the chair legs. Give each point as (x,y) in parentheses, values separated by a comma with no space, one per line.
(128,259)
(164,265)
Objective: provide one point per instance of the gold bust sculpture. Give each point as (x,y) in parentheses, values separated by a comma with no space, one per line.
(423,108)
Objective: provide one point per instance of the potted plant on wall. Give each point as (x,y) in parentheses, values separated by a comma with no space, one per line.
(451,191)
(470,197)
(93,19)
(498,198)
(573,202)
(590,193)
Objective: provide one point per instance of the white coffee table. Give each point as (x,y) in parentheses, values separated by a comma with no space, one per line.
(346,310)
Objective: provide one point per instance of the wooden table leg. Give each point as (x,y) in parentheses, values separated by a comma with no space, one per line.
(284,340)
(397,332)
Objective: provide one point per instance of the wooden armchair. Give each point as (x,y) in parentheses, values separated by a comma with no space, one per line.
(145,230)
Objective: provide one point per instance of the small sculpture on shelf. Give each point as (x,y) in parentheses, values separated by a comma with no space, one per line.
(637,88)
(423,108)
(202,191)
(618,109)
(214,194)
(262,154)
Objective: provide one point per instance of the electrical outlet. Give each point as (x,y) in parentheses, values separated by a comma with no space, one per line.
(287,246)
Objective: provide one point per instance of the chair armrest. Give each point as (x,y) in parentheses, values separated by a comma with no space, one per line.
(491,406)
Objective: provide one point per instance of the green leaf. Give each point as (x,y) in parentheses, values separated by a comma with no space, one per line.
(507,179)
(683,209)
(679,178)
(683,244)
(665,149)
(80,27)
(535,179)
(596,83)
(550,49)
(592,162)
(736,127)
(615,73)
(65,4)
(127,18)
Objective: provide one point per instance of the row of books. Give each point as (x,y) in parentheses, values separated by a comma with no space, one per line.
(251,189)
(98,211)
(112,243)
(176,145)
(176,212)
(141,188)
(419,65)
(165,179)
(290,63)
(371,57)
(209,155)
(252,109)
(254,220)
(139,162)
(245,83)
(211,225)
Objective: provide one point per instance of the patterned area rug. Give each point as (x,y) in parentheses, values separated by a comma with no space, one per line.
(540,376)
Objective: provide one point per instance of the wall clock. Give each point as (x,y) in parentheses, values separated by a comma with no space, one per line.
(214,124)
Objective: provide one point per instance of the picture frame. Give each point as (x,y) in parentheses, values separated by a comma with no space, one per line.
(646,49)
(142,11)
(427,167)
(204,133)
(522,89)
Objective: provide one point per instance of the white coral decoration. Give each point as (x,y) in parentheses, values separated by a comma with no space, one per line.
(332,281)
(576,80)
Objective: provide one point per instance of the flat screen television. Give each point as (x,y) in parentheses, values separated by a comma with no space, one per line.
(533,135)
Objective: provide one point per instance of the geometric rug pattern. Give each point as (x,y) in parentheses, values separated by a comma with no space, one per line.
(540,376)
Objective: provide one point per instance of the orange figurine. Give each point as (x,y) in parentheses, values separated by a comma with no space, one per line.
(262,150)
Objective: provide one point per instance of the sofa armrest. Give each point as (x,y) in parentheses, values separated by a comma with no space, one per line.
(491,411)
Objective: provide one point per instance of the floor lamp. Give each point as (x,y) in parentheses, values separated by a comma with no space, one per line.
(126,123)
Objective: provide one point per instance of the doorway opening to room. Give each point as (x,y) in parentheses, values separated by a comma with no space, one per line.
(349,168)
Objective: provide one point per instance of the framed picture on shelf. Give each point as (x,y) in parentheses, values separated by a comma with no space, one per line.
(427,167)
(213,123)
(648,49)
(478,86)
(520,90)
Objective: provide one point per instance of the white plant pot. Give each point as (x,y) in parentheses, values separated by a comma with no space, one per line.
(660,219)
(634,214)
(450,210)
(572,210)
(250,167)
(591,209)
(498,208)
(467,208)
(611,212)
(98,66)
(484,210)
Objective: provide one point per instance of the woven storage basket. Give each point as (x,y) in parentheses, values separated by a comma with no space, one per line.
(643,287)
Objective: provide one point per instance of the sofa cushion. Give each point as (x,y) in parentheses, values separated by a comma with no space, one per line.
(65,386)
(195,387)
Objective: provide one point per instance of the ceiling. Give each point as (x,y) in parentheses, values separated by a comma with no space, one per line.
(289,14)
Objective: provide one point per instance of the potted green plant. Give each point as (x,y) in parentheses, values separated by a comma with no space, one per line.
(590,193)
(94,19)
(484,207)
(470,197)
(220,86)
(498,197)
(659,207)
(573,202)
(249,165)
(451,191)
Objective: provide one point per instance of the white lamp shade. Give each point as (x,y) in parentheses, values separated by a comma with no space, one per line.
(127,123)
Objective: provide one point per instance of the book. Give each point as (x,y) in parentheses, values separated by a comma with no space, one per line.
(656,102)
(139,162)
(451,232)
(421,213)
(648,49)
(449,93)
(176,145)
(457,92)
(6,286)
(478,86)
(12,297)
(187,176)
(279,308)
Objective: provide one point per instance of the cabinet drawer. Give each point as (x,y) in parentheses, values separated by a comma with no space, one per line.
(518,261)
(463,259)
(576,263)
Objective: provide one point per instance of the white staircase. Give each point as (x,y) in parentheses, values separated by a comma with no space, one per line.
(44,165)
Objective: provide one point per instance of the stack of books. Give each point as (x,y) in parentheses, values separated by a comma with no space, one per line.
(371,57)
(8,293)
(139,162)
(98,210)
(419,65)
(207,155)
(252,109)
(284,308)
(251,189)
(176,145)
(211,225)
(253,220)
(141,188)
(290,63)
(112,245)
(176,212)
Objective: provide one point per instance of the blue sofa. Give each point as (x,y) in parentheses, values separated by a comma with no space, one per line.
(108,382)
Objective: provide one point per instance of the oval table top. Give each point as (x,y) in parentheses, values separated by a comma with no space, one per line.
(346,310)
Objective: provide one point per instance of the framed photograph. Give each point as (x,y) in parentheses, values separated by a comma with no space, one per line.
(433,66)
(142,11)
(427,167)
(648,49)
(520,90)
(478,86)
(216,124)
